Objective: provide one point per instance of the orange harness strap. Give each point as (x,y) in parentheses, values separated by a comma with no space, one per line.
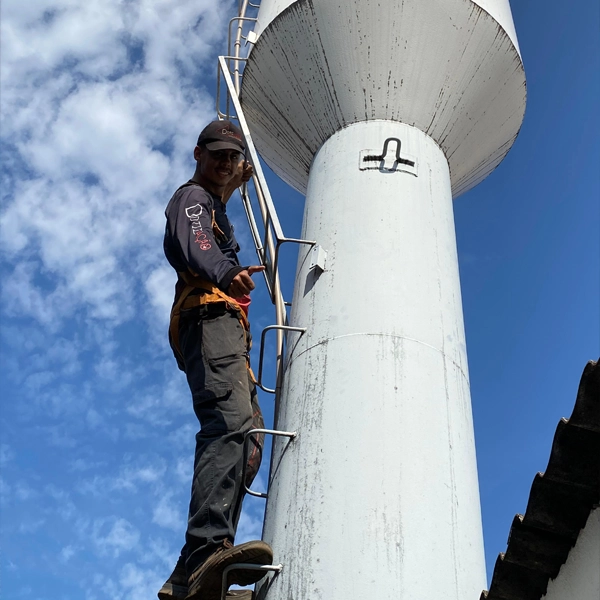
(210,294)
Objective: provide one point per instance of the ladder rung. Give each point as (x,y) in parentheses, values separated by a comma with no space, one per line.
(245,567)
(289,434)
(300,330)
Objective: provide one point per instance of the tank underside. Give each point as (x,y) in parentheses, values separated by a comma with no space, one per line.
(445,67)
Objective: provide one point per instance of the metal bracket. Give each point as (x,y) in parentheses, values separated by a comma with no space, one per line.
(246,567)
(289,434)
(318,257)
(388,162)
(301,330)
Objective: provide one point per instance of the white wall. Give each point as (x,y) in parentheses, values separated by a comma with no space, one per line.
(579,577)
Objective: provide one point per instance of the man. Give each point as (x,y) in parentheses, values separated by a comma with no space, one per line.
(210,337)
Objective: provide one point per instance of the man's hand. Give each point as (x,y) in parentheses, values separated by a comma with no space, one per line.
(242,283)
(247,171)
(243,173)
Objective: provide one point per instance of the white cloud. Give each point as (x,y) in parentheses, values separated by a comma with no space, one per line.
(139,584)
(31,526)
(11,566)
(158,551)
(185,467)
(65,507)
(41,35)
(5,491)
(133,582)
(101,109)
(101,105)
(66,553)
(59,436)
(93,418)
(81,465)
(249,528)
(158,405)
(6,454)
(167,515)
(114,536)
(160,286)
(182,438)
(146,472)
(23,491)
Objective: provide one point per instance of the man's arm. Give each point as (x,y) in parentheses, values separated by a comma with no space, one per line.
(243,174)
(189,222)
(242,283)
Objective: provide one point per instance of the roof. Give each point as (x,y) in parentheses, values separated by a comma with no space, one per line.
(559,505)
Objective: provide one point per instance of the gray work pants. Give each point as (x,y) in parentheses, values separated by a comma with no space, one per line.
(215,346)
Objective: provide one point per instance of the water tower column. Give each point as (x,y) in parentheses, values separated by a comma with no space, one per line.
(378,496)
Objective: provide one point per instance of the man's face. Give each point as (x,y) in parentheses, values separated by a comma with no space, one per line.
(216,167)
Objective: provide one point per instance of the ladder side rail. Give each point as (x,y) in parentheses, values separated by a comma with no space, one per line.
(260,245)
(270,218)
(262,191)
(240,2)
(266,251)
(237,44)
(268,239)
(265,255)
(264,197)
(248,4)
(280,319)
(251,148)
(260,251)
(252,222)
(280,238)
(236,48)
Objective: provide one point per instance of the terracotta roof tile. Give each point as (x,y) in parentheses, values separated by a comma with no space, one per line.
(559,505)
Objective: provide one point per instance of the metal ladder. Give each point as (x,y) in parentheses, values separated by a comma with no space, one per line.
(268,238)
(268,242)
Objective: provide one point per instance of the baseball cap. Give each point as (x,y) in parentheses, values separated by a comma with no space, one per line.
(222,135)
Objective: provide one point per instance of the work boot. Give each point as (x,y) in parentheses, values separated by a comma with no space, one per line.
(176,587)
(205,582)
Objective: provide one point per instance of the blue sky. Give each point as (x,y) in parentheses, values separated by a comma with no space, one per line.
(101,105)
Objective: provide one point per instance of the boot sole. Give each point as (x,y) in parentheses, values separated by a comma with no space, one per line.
(209,585)
(170,591)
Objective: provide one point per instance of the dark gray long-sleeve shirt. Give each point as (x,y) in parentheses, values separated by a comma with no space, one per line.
(190,242)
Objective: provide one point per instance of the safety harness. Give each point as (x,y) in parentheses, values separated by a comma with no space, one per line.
(190,298)
(199,292)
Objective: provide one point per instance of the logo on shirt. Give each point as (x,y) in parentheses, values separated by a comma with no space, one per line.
(193,214)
